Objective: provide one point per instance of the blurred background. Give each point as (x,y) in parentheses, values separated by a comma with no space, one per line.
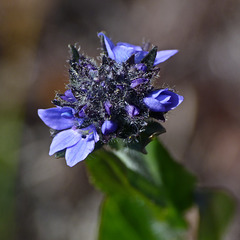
(41,197)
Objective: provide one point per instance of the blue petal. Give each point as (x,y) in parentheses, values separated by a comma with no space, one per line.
(162,100)
(81,113)
(139,56)
(154,105)
(68,96)
(57,118)
(128,45)
(107,106)
(132,110)
(91,132)
(162,56)
(156,93)
(170,99)
(64,139)
(175,101)
(79,151)
(109,45)
(140,66)
(123,53)
(138,81)
(109,127)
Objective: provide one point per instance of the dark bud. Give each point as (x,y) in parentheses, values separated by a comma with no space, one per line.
(74,53)
(150,58)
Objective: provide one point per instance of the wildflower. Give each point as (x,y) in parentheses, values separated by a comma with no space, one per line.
(109,127)
(123,51)
(162,100)
(78,142)
(114,99)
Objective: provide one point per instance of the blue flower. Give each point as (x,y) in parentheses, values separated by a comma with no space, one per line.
(112,99)
(58,118)
(108,106)
(68,96)
(132,110)
(78,142)
(138,81)
(162,100)
(109,127)
(121,52)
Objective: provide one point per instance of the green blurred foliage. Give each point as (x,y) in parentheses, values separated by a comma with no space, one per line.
(147,196)
(216,211)
(10,128)
(139,199)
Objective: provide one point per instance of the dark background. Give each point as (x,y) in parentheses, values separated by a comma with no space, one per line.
(42,198)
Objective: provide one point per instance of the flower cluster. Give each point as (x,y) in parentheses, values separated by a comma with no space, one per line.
(112,100)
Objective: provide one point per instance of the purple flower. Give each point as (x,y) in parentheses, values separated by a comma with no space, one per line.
(77,142)
(141,67)
(68,96)
(132,110)
(81,113)
(108,106)
(138,81)
(112,99)
(162,100)
(121,52)
(109,127)
(58,118)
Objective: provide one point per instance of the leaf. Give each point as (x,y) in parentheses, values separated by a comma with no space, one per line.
(160,169)
(146,194)
(127,190)
(151,130)
(129,217)
(156,169)
(110,175)
(178,183)
(216,210)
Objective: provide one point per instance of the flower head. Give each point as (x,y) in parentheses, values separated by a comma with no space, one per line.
(114,99)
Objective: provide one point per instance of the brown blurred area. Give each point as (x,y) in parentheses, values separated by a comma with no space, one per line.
(53,201)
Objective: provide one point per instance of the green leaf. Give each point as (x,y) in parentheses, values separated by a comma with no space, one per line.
(110,175)
(151,130)
(126,189)
(216,210)
(106,172)
(130,217)
(146,193)
(178,183)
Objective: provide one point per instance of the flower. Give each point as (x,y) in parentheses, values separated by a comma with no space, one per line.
(162,100)
(68,96)
(115,99)
(138,81)
(78,142)
(132,110)
(58,118)
(121,52)
(109,127)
